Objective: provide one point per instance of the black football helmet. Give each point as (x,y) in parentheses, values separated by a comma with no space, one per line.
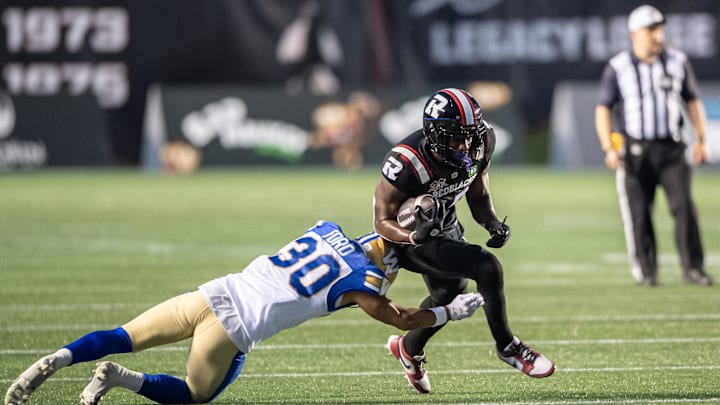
(453,126)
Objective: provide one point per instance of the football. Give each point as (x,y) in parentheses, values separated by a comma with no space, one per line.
(406,213)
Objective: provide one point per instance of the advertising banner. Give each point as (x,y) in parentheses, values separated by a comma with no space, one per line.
(36,132)
(187,126)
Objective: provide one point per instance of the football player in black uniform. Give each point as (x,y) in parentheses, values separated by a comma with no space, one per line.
(449,158)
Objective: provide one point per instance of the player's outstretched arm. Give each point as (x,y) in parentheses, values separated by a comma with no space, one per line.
(386,311)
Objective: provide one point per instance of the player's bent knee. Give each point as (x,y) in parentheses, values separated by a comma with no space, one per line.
(444,295)
(201,392)
(201,397)
(486,268)
(443,291)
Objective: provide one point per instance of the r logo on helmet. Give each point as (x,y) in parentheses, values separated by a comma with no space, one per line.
(436,105)
(454,128)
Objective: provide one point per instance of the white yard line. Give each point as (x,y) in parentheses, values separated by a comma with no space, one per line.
(343,346)
(359,322)
(483,371)
(444,372)
(643,401)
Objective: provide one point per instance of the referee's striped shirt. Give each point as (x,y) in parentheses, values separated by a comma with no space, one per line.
(649,98)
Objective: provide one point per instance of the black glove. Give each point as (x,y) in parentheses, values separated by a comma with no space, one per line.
(428,225)
(499,233)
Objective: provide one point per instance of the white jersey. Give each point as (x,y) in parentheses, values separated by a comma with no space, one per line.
(305,280)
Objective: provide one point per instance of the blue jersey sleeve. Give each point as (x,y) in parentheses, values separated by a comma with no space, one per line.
(369,279)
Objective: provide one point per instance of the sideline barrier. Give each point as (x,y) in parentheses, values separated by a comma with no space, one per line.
(36,132)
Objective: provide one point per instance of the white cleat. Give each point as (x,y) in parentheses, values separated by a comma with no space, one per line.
(414,366)
(527,360)
(107,375)
(20,390)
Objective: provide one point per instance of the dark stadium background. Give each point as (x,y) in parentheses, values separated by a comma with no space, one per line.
(77,74)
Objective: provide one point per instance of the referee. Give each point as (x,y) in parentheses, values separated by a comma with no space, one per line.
(648,87)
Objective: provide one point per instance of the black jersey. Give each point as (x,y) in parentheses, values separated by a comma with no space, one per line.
(410,167)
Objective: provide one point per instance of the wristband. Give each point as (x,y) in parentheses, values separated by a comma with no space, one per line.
(411,239)
(441,316)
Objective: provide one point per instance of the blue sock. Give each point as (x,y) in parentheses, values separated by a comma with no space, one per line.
(165,389)
(98,344)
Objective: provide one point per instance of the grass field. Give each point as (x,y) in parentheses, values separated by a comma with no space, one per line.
(81,251)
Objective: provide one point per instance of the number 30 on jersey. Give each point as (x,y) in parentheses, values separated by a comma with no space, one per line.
(310,272)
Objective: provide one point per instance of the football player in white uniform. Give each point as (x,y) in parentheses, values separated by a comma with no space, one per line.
(314,275)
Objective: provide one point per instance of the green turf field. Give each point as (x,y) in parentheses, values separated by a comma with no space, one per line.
(81,251)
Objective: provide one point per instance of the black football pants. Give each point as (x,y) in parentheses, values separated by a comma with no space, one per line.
(647,165)
(446,265)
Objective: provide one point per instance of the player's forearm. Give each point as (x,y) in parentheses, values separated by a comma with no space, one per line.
(696,113)
(603,127)
(386,203)
(415,318)
(480,200)
(462,306)
(386,311)
(482,209)
(390,230)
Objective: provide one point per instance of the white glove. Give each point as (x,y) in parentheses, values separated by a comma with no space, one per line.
(464,305)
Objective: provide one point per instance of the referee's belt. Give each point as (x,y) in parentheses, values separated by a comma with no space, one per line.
(675,139)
